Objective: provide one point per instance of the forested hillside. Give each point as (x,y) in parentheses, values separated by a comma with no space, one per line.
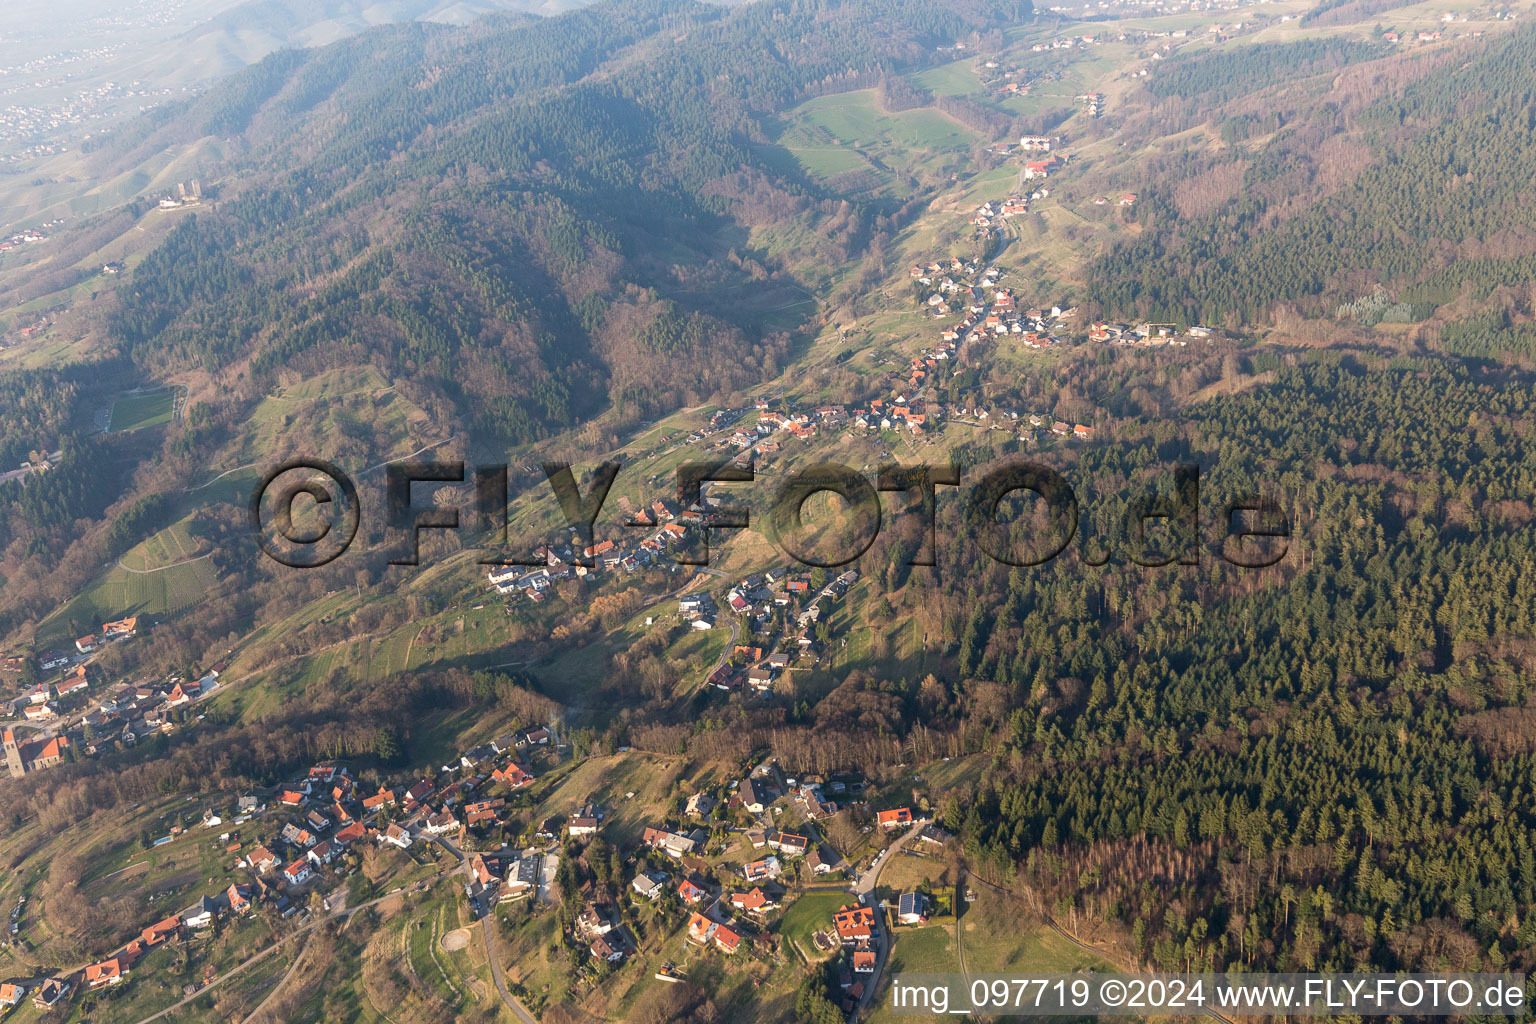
(556,223)
(1439,207)
(593,238)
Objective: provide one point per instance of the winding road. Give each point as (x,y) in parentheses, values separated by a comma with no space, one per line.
(865,887)
(498,974)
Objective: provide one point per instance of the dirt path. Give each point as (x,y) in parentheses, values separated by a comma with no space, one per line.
(275,988)
(162,568)
(268,950)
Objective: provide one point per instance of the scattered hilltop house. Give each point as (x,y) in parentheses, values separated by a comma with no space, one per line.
(593,922)
(607,947)
(648,885)
(895,818)
(239,897)
(934,836)
(674,844)
(522,877)
(727,940)
(864,961)
(514,775)
(583,825)
(298,872)
(294,835)
(705,932)
(349,835)
(483,811)
(911,908)
(753,797)
(691,893)
(700,804)
(11,994)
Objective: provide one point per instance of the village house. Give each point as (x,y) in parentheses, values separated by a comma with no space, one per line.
(788,843)
(823,861)
(73,683)
(261,860)
(107,972)
(442,824)
(592,922)
(895,818)
(762,870)
(854,923)
(754,901)
(52,991)
(648,884)
(607,947)
(396,836)
(911,908)
(752,796)
(521,878)
(674,844)
(202,915)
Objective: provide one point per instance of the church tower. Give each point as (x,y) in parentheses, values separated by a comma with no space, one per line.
(13,756)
